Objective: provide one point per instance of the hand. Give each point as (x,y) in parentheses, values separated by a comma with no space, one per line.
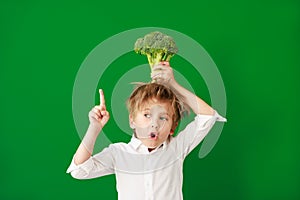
(162,73)
(99,116)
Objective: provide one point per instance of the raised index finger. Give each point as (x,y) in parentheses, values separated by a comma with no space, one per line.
(102,100)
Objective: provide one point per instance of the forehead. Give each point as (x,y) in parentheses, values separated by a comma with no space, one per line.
(157,106)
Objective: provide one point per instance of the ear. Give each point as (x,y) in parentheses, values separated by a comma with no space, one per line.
(171,132)
(173,128)
(131,124)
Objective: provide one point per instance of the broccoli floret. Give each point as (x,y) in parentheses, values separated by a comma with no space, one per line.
(156,46)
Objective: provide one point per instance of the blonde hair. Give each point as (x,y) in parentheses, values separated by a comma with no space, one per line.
(145,92)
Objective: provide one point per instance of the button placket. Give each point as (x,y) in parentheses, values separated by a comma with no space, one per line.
(148,177)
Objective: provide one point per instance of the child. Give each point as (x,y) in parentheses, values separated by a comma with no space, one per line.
(150,165)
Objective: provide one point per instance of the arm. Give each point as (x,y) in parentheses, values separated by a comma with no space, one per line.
(163,74)
(206,117)
(98,117)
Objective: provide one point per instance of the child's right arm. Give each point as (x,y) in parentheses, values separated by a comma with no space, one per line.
(206,117)
(98,117)
(163,74)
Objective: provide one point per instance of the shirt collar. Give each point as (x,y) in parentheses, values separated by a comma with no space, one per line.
(136,143)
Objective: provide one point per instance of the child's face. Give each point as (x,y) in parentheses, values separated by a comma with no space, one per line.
(153,123)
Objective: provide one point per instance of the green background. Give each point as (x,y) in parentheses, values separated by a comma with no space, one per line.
(255,45)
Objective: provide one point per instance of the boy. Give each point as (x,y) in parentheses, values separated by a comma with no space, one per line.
(150,165)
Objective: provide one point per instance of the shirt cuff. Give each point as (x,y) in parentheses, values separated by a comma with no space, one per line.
(205,121)
(219,118)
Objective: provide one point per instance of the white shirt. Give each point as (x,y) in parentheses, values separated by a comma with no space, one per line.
(144,175)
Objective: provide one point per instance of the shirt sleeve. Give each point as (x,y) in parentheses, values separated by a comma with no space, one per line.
(98,165)
(195,132)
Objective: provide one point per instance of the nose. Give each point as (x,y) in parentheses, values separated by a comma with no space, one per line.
(154,124)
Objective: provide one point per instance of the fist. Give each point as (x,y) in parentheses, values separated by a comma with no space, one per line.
(162,73)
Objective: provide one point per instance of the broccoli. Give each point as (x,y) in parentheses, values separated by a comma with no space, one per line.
(156,46)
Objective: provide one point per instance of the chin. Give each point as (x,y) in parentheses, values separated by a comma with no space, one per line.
(152,145)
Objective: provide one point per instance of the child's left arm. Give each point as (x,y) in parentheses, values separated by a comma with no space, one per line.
(163,74)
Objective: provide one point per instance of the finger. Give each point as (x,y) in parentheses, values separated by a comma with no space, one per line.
(94,115)
(165,63)
(156,75)
(158,78)
(97,112)
(101,108)
(158,68)
(161,66)
(158,65)
(104,113)
(102,99)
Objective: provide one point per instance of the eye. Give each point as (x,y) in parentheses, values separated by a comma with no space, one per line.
(164,118)
(147,115)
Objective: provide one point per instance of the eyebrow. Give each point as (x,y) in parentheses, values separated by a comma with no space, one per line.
(162,113)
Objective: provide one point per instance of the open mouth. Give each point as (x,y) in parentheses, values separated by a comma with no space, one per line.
(153,136)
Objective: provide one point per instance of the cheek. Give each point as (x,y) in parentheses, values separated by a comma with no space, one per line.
(166,129)
(140,119)
(167,125)
(164,136)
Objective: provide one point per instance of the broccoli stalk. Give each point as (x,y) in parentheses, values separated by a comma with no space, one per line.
(156,46)
(154,58)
